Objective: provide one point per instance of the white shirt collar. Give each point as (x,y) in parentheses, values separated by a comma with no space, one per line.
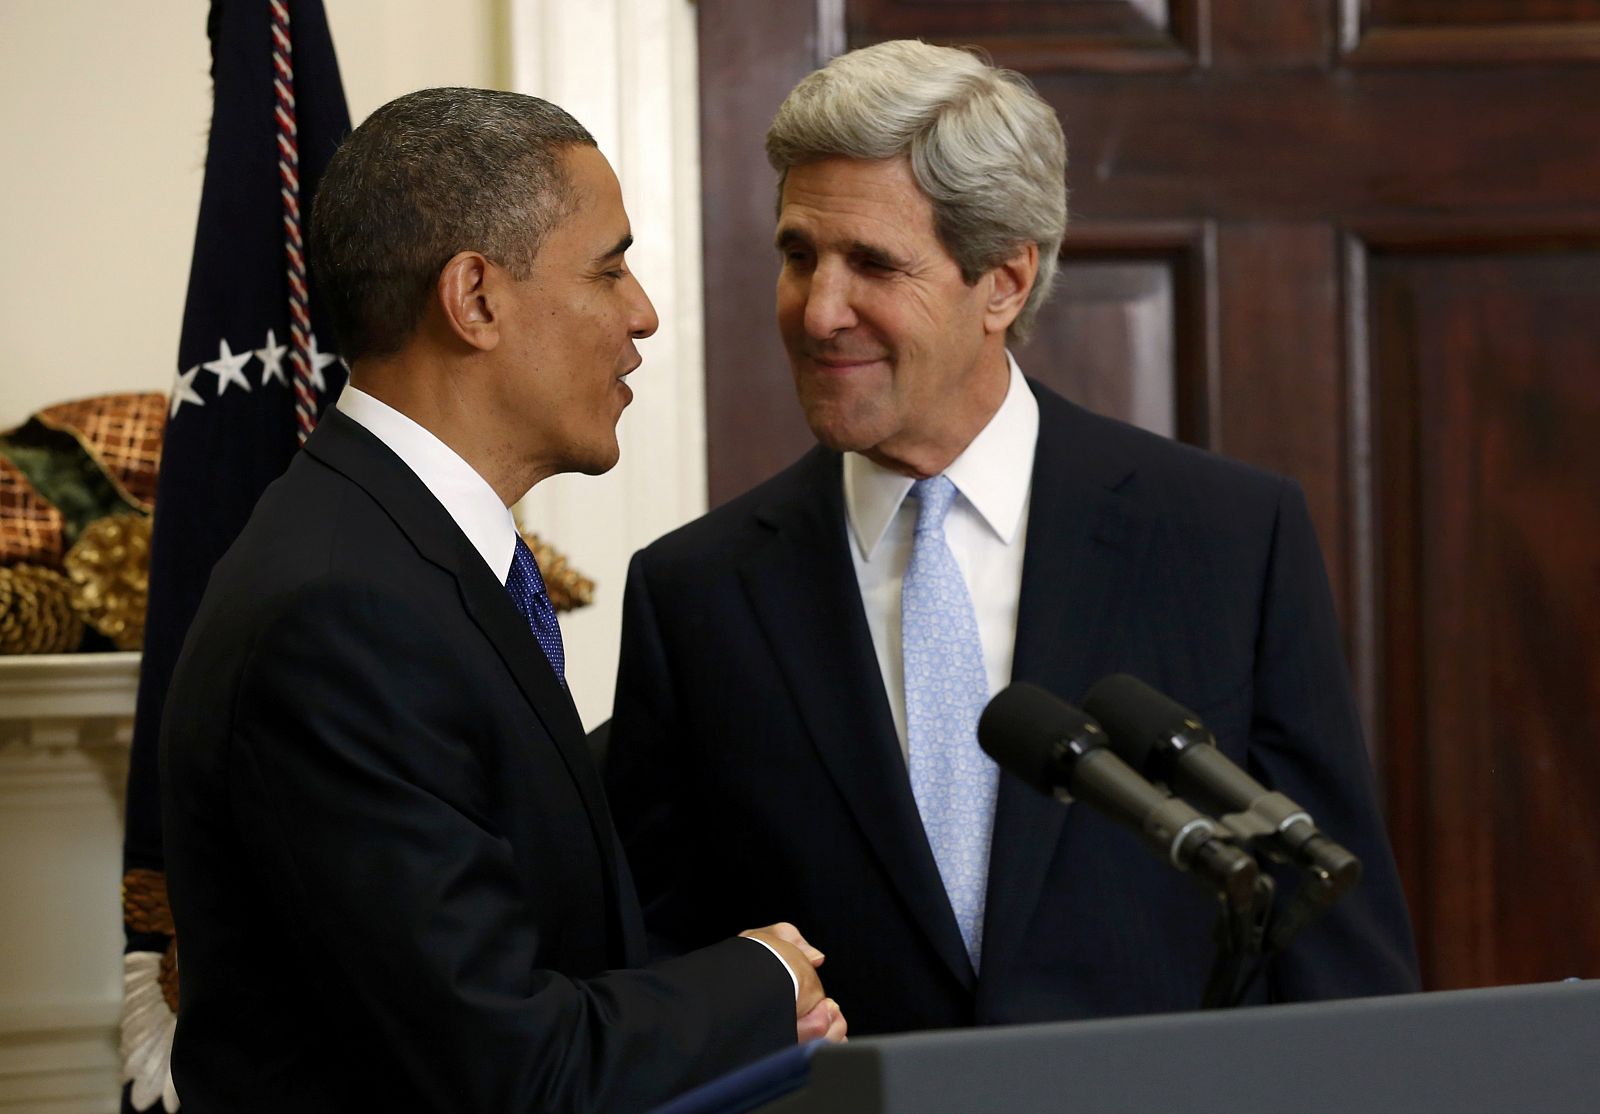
(467,496)
(994,473)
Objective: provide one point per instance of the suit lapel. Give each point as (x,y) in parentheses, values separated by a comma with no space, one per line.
(802,587)
(346,446)
(1079,569)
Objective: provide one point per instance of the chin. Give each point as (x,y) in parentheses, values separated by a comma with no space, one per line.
(599,462)
(842,432)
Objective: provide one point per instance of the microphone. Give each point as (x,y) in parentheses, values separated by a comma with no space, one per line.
(1061,752)
(1168,744)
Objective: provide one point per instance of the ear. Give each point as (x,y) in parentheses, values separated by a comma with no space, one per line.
(465,292)
(1009,284)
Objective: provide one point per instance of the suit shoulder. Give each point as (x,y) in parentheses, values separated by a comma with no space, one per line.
(726,531)
(1172,478)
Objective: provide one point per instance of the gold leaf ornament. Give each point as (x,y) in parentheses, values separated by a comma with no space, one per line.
(569,589)
(110,570)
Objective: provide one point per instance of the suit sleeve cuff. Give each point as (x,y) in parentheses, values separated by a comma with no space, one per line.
(793,978)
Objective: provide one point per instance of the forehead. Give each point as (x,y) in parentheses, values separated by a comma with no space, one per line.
(597,196)
(873,201)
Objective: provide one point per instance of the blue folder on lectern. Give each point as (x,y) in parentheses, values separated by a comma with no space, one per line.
(749,1087)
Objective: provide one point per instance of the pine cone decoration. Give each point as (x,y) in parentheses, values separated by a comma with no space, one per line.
(569,589)
(145,907)
(110,570)
(36,615)
(145,911)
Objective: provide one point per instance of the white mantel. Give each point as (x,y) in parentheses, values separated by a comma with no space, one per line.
(65,725)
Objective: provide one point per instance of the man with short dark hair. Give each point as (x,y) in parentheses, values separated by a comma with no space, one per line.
(803,669)
(390,859)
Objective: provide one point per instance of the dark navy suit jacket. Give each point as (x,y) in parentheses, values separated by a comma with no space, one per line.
(394,875)
(755,773)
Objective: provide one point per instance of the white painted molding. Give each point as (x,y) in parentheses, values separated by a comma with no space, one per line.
(65,724)
(627,69)
(95,689)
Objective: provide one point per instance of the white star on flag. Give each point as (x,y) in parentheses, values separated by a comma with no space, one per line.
(319,360)
(228,367)
(183,391)
(271,358)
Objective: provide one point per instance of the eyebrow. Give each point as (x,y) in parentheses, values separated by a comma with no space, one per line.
(876,254)
(791,238)
(620,247)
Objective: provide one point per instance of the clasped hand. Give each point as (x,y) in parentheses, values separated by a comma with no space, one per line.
(816,1015)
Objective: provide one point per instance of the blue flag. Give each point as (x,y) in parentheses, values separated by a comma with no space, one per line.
(256,364)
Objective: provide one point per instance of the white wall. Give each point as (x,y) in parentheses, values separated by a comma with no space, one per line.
(104,115)
(627,70)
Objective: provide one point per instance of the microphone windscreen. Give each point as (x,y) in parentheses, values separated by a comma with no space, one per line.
(1137,718)
(1024,728)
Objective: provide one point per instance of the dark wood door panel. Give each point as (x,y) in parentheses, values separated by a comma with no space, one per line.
(1111,35)
(747,66)
(1498,13)
(1109,342)
(1129,329)
(1270,33)
(1280,395)
(1033,35)
(1297,146)
(1408,32)
(894,19)
(1488,469)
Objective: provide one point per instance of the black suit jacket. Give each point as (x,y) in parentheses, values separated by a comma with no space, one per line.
(394,875)
(755,773)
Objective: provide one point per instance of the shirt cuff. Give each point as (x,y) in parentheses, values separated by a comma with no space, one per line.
(794,978)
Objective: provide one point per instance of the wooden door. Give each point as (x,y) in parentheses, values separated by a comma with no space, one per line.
(1356,242)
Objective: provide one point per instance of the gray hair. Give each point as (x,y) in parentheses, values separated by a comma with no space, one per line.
(983,146)
(430,174)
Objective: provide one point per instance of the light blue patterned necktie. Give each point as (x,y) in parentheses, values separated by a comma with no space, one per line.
(528,593)
(946,690)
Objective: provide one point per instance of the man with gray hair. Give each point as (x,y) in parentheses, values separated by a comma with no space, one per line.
(803,669)
(390,860)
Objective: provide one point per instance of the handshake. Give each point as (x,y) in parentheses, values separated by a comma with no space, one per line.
(816,1015)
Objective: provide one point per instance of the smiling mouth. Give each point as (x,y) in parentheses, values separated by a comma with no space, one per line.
(844,363)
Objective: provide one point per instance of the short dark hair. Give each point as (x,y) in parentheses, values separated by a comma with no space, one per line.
(430,174)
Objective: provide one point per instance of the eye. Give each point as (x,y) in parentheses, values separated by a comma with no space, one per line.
(874,265)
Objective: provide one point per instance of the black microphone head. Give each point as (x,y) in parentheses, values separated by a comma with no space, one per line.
(1142,723)
(1036,735)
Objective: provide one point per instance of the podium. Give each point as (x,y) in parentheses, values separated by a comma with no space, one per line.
(1520,1048)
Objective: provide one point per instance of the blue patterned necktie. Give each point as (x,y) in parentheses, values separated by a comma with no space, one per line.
(528,593)
(952,780)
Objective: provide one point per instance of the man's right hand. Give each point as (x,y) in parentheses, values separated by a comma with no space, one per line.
(816,1015)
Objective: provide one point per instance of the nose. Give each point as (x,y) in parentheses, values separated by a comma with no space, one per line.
(828,301)
(642,320)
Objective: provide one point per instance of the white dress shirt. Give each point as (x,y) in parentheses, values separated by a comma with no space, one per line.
(465,495)
(985,529)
